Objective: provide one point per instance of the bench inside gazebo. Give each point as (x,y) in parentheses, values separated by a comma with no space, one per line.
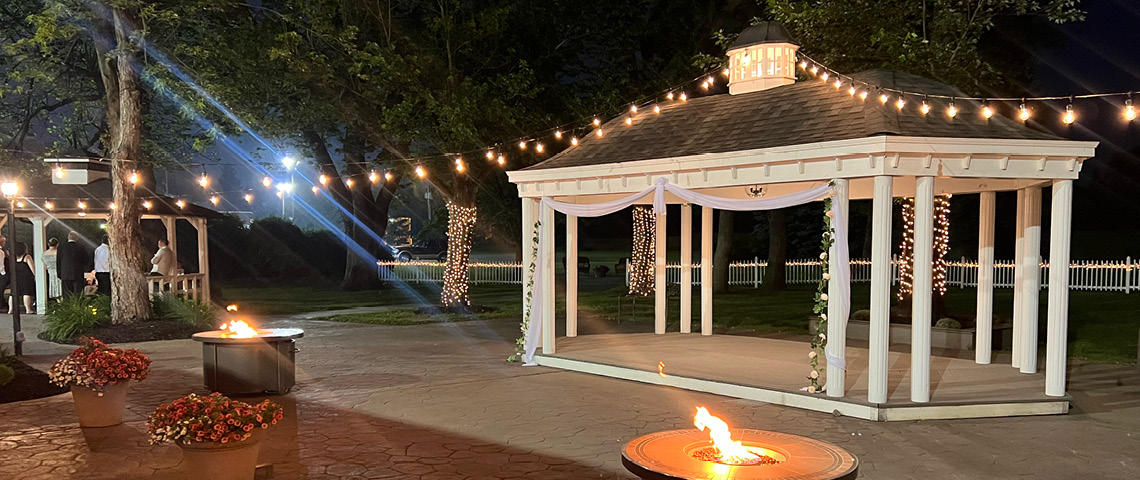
(80,189)
(788,143)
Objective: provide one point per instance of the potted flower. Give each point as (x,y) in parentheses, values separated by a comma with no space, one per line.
(98,377)
(218,436)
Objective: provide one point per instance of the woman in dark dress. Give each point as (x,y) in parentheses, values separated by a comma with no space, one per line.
(25,277)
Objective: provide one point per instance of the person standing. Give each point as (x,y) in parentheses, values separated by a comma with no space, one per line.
(73,261)
(103,267)
(51,257)
(26,278)
(4,278)
(164,262)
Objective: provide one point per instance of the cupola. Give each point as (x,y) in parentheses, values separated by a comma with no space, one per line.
(762,57)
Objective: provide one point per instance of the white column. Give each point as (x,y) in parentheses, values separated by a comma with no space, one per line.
(878,348)
(1031,293)
(1057,334)
(921,297)
(38,243)
(571,276)
(547,271)
(706,270)
(528,218)
(686,268)
(203,258)
(985,320)
(660,307)
(837,319)
(1018,278)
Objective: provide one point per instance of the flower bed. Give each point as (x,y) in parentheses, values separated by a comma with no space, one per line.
(212,418)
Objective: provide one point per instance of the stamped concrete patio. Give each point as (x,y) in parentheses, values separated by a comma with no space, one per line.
(438,402)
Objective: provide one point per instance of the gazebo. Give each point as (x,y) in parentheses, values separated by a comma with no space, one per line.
(784,138)
(80,189)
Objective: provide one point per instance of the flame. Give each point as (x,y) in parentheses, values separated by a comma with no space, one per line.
(731,451)
(231,307)
(661,369)
(238,329)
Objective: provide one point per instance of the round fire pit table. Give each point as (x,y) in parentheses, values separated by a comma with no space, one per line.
(236,365)
(677,455)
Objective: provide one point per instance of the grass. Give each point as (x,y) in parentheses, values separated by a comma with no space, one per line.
(279,300)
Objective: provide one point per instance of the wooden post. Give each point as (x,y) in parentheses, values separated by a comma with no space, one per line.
(547,272)
(572,276)
(706,270)
(985,319)
(878,347)
(921,296)
(1018,274)
(660,307)
(837,320)
(171,224)
(1031,287)
(203,258)
(1056,354)
(686,268)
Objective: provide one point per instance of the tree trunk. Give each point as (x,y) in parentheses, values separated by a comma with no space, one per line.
(775,276)
(129,299)
(642,258)
(461,217)
(723,254)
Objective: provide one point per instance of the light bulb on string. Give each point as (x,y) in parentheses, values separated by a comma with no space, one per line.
(248,198)
(182,203)
(838,83)
(280,195)
(316,190)
(851,91)
(491,153)
(657,109)
(597,121)
(863,95)
(883,98)
(420,172)
(684,96)
(214,199)
(557,134)
(804,65)
(924,108)
(266,182)
(987,111)
(373,176)
(814,69)
(1070,116)
(951,110)
(900,103)
(112,205)
(1023,112)
(1129,110)
(203,181)
(349,183)
(323,179)
(598,132)
(60,173)
(726,72)
(502,160)
(133,178)
(629,120)
(705,85)
(48,205)
(824,76)
(459,166)
(573,141)
(669,95)
(522,145)
(146,204)
(711,80)
(81,204)
(538,147)
(388,176)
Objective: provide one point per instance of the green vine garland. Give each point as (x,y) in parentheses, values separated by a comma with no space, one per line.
(520,344)
(819,341)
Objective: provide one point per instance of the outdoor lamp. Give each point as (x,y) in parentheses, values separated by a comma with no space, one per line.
(9,189)
(288,162)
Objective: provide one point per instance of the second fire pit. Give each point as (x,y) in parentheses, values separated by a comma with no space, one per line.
(249,363)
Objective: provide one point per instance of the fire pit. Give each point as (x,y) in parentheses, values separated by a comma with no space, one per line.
(239,360)
(758,454)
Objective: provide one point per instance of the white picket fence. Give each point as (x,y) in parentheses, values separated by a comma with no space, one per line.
(1111,276)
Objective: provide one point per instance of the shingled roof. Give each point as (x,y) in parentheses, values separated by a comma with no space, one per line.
(800,113)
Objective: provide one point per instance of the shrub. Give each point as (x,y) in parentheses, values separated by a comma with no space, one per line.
(185,310)
(75,315)
(861,315)
(6,374)
(948,323)
(95,365)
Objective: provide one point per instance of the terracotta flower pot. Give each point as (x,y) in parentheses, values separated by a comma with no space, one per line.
(96,410)
(220,461)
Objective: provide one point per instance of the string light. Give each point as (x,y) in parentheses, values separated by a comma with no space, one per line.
(838,83)
(388,176)
(538,147)
(987,111)
(557,134)
(851,91)
(502,160)
(629,121)
(804,65)
(81,204)
(459,166)
(597,121)
(941,247)
(814,69)
(460,229)
(280,195)
(705,85)
(711,79)
(657,109)
(863,95)
(883,98)
(214,199)
(906,250)
(316,190)
(1069,117)
(668,95)
(633,109)
(267,182)
(49,205)
(491,153)
(373,176)
(951,111)
(112,205)
(1129,110)
(59,172)
(598,132)
(684,97)
(574,141)
(1023,113)
(204,181)
(924,108)
(349,183)
(248,198)
(824,76)
(323,179)
(641,274)
(522,145)
(182,203)
(146,204)
(900,103)
(727,72)
(420,172)
(133,178)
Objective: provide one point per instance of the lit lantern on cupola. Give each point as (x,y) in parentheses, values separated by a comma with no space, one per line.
(763,56)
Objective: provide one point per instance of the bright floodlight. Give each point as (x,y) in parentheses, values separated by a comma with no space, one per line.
(9,188)
(289,162)
(285,187)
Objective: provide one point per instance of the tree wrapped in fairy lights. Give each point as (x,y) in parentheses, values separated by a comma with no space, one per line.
(941,248)
(641,281)
(460,226)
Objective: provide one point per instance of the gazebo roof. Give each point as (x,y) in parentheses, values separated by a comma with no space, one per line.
(763,32)
(800,113)
(97,196)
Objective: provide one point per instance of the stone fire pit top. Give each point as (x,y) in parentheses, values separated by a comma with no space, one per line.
(268,334)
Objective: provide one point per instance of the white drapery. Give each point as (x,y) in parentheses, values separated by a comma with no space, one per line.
(843,273)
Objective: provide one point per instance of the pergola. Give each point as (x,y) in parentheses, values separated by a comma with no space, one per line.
(42,202)
(786,137)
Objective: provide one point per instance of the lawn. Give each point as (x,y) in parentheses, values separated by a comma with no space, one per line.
(275,300)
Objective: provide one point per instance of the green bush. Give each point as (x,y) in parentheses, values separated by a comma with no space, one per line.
(185,310)
(75,315)
(948,323)
(6,375)
(861,315)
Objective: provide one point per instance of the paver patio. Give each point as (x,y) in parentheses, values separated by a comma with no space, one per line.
(438,402)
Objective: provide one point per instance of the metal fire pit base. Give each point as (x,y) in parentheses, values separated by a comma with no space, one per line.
(250,366)
(669,456)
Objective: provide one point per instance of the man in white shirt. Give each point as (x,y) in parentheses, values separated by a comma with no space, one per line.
(103,267)
(164,261)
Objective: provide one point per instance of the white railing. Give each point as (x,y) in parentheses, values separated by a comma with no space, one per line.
(1114,276)
(192,285)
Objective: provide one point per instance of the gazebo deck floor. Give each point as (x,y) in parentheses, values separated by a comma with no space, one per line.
(774,370)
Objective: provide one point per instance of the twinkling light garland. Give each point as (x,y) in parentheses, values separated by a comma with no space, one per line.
(520,343)
(642,259)
(819,341)
(460,227)
(941,247)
